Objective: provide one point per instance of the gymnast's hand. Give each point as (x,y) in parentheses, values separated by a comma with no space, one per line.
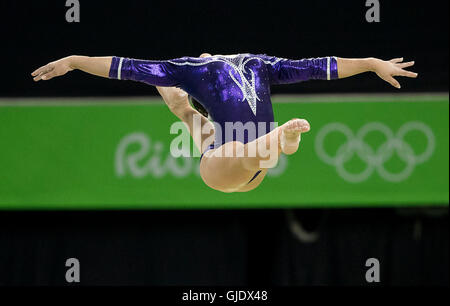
(387,70)
(53,69)
(98,66)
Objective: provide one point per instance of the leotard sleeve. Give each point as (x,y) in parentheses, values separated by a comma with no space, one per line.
(156,73)
(287,71)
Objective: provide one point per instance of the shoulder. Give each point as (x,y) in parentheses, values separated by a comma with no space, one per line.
(266,59)
(191,61)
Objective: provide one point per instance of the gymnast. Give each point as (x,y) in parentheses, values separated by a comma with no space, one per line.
(223,90)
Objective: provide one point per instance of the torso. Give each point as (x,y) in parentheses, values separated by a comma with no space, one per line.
(233,89)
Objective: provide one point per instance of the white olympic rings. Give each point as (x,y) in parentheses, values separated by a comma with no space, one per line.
(375,159)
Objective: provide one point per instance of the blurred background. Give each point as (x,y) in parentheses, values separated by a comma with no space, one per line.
(77,182)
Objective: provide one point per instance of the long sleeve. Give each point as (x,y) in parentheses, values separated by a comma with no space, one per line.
(156,73)
(286,71)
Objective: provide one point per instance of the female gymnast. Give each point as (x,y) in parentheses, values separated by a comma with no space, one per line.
(233,90)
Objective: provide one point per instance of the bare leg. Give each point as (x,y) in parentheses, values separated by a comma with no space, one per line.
(178,102)
(230,167)
(284,139)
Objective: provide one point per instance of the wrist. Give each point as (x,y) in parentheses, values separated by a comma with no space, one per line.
(70,60)
(73,61)
(373,64)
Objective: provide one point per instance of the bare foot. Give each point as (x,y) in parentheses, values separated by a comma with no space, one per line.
(291,134)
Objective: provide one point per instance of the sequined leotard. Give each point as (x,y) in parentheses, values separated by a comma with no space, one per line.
(232,88)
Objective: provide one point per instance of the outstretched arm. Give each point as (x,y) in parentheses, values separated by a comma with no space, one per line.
(286,71)
(99,66)
(157,73)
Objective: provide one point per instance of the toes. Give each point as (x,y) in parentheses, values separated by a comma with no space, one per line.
(297,126)
(305,128)
(301,125)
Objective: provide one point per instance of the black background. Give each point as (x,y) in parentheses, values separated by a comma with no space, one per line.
(225,248)
(36,32)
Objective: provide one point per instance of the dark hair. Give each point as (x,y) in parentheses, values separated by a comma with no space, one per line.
(198,106)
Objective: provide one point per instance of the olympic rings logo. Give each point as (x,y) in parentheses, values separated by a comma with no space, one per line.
(375,159)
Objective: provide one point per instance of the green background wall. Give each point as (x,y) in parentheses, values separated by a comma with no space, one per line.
(59,154)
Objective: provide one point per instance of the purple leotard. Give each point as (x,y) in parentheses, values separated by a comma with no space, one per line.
(232,88)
